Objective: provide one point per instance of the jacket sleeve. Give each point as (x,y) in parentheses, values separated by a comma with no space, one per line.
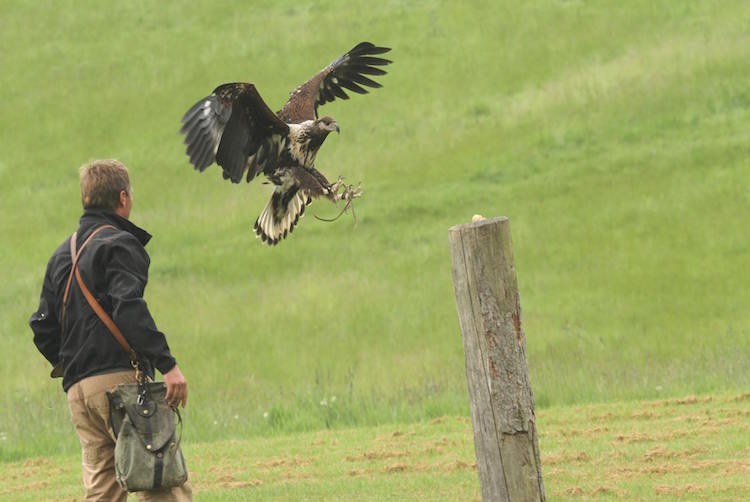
(44,323)
(126,275)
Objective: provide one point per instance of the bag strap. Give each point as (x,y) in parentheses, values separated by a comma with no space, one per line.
(75,256)
(105,318)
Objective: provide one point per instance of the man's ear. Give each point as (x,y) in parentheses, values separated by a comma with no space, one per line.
(123,198)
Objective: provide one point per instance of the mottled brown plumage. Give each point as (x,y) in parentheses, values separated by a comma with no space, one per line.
(236,129)
(347,72)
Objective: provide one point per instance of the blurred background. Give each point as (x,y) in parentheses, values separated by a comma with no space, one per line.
(615,136)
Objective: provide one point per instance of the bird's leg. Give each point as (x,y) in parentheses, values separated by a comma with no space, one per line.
(348,194)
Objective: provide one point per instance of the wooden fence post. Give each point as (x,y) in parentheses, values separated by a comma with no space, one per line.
(502,405)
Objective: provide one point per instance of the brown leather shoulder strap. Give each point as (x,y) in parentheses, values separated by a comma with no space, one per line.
(70,275)
(74,256)
(105,318)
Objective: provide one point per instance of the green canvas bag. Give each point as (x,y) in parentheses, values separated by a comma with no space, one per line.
(147,449)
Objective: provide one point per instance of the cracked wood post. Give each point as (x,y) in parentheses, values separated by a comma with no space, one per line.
(502,405)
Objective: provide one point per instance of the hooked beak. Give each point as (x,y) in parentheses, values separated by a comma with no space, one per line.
(336,125)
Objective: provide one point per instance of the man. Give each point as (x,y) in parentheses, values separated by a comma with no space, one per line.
(114,267)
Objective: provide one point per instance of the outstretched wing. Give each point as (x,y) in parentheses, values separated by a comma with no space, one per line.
(234,128)
(347,72)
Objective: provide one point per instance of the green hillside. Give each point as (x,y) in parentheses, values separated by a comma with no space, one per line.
(614,135)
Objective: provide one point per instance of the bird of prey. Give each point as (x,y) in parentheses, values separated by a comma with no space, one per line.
(236,129)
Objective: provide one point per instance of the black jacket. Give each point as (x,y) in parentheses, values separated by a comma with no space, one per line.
(114,267)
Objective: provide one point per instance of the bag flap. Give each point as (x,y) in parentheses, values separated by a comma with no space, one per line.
(154,420)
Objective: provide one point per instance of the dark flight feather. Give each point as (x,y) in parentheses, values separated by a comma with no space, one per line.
(346,71)
(227,127)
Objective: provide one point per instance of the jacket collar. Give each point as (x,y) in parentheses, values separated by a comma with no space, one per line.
(93,218)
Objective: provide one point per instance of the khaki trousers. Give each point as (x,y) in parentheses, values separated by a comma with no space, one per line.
(89,409)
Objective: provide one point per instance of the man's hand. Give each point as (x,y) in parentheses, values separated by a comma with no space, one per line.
(176,387)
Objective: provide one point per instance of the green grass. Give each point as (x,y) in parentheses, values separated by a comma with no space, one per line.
(691,448)
(614,135)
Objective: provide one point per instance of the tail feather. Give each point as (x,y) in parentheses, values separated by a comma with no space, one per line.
(276,221)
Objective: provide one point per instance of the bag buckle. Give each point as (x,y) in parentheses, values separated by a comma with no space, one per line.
(142,391)
(141,379)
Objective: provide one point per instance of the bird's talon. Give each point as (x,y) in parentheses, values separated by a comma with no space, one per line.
(335,187)
(350,192)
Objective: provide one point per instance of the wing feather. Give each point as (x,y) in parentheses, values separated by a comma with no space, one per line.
(204,155)
(346,72)
(327,94)
(370,61)
(339,92)
(361,79)
(201,124)
(353,87)
(367,70)
(228,127)
(370,48)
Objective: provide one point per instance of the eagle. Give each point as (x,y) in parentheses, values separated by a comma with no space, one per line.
(236,129)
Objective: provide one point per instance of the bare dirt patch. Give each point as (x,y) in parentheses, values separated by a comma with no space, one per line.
(358,472)
(677,490)
(645,415)
(595,431)
(459,464)
(37,485)
(231,482)
(284,461)
(565,458)
(574,491)
(396,468)
(687,400)
(376,455)
(633,437)
(661,452)
(606,490)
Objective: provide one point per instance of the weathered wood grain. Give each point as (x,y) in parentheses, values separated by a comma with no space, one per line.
(502,404)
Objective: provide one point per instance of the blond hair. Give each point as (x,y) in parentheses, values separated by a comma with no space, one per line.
(101,183)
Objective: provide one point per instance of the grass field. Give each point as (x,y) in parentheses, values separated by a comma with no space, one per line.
(614,135)
(690,448)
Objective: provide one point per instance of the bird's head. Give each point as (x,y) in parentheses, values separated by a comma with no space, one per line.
(327,124)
